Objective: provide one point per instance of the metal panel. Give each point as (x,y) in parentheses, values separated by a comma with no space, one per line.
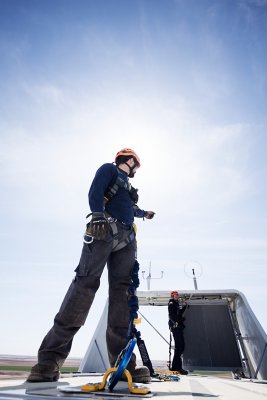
(210,339)
(96,357)
(254,338)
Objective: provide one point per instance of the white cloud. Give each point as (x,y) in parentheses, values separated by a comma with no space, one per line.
(182,156)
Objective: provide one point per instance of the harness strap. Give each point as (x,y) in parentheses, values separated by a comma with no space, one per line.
(119,183)
(115,232)
(170,352)
(144,355)
(116,244)
(111,192)
(133,304)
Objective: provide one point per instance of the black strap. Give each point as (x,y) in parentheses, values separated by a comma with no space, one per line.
(145,356)
(119,183)
(133,308)
(170,352)
(116,244)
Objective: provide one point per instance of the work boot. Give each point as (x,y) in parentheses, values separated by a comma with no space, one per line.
(182,371)
(44,373)
(139,375)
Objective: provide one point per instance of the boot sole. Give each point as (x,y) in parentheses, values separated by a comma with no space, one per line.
(41,378)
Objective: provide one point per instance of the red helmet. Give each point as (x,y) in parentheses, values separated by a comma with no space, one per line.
(128,152)
(173,292)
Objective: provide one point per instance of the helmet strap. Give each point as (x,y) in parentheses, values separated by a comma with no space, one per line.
(131,173)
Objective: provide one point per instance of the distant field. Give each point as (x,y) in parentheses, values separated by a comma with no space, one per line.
(19,366)
(27,369)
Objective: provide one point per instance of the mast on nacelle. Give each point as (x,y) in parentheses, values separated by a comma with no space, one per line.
(149,276)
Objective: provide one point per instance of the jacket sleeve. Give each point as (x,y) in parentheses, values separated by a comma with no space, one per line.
(104,177)
(138,212)
(172,311)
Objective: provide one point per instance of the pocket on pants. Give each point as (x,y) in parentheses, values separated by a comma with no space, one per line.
(85,260)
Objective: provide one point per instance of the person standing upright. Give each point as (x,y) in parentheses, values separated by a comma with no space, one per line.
(176,325)
(109,238)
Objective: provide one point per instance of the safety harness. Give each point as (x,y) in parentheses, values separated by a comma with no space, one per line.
(119,183)
(111,192)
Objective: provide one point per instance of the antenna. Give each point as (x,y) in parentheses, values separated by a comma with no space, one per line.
(194,278)
(149,277)
(194,268)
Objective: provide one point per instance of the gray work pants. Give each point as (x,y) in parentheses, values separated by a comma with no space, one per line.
(80,295)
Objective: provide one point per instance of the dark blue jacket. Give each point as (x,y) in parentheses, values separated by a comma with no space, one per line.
(119,206)
(176,313)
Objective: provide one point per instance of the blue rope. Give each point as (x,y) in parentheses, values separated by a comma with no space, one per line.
(133,300)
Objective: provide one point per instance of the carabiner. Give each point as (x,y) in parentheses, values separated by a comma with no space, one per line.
(87,239)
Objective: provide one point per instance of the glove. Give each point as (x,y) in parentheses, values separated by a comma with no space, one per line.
(149,214)
(98,227)
(134,195)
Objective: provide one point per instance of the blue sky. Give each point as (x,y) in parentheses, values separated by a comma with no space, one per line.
(183,83)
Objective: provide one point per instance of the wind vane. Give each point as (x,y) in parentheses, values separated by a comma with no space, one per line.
(195,268)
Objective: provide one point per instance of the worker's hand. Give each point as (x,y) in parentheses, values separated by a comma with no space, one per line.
(149,214)
(98,227)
